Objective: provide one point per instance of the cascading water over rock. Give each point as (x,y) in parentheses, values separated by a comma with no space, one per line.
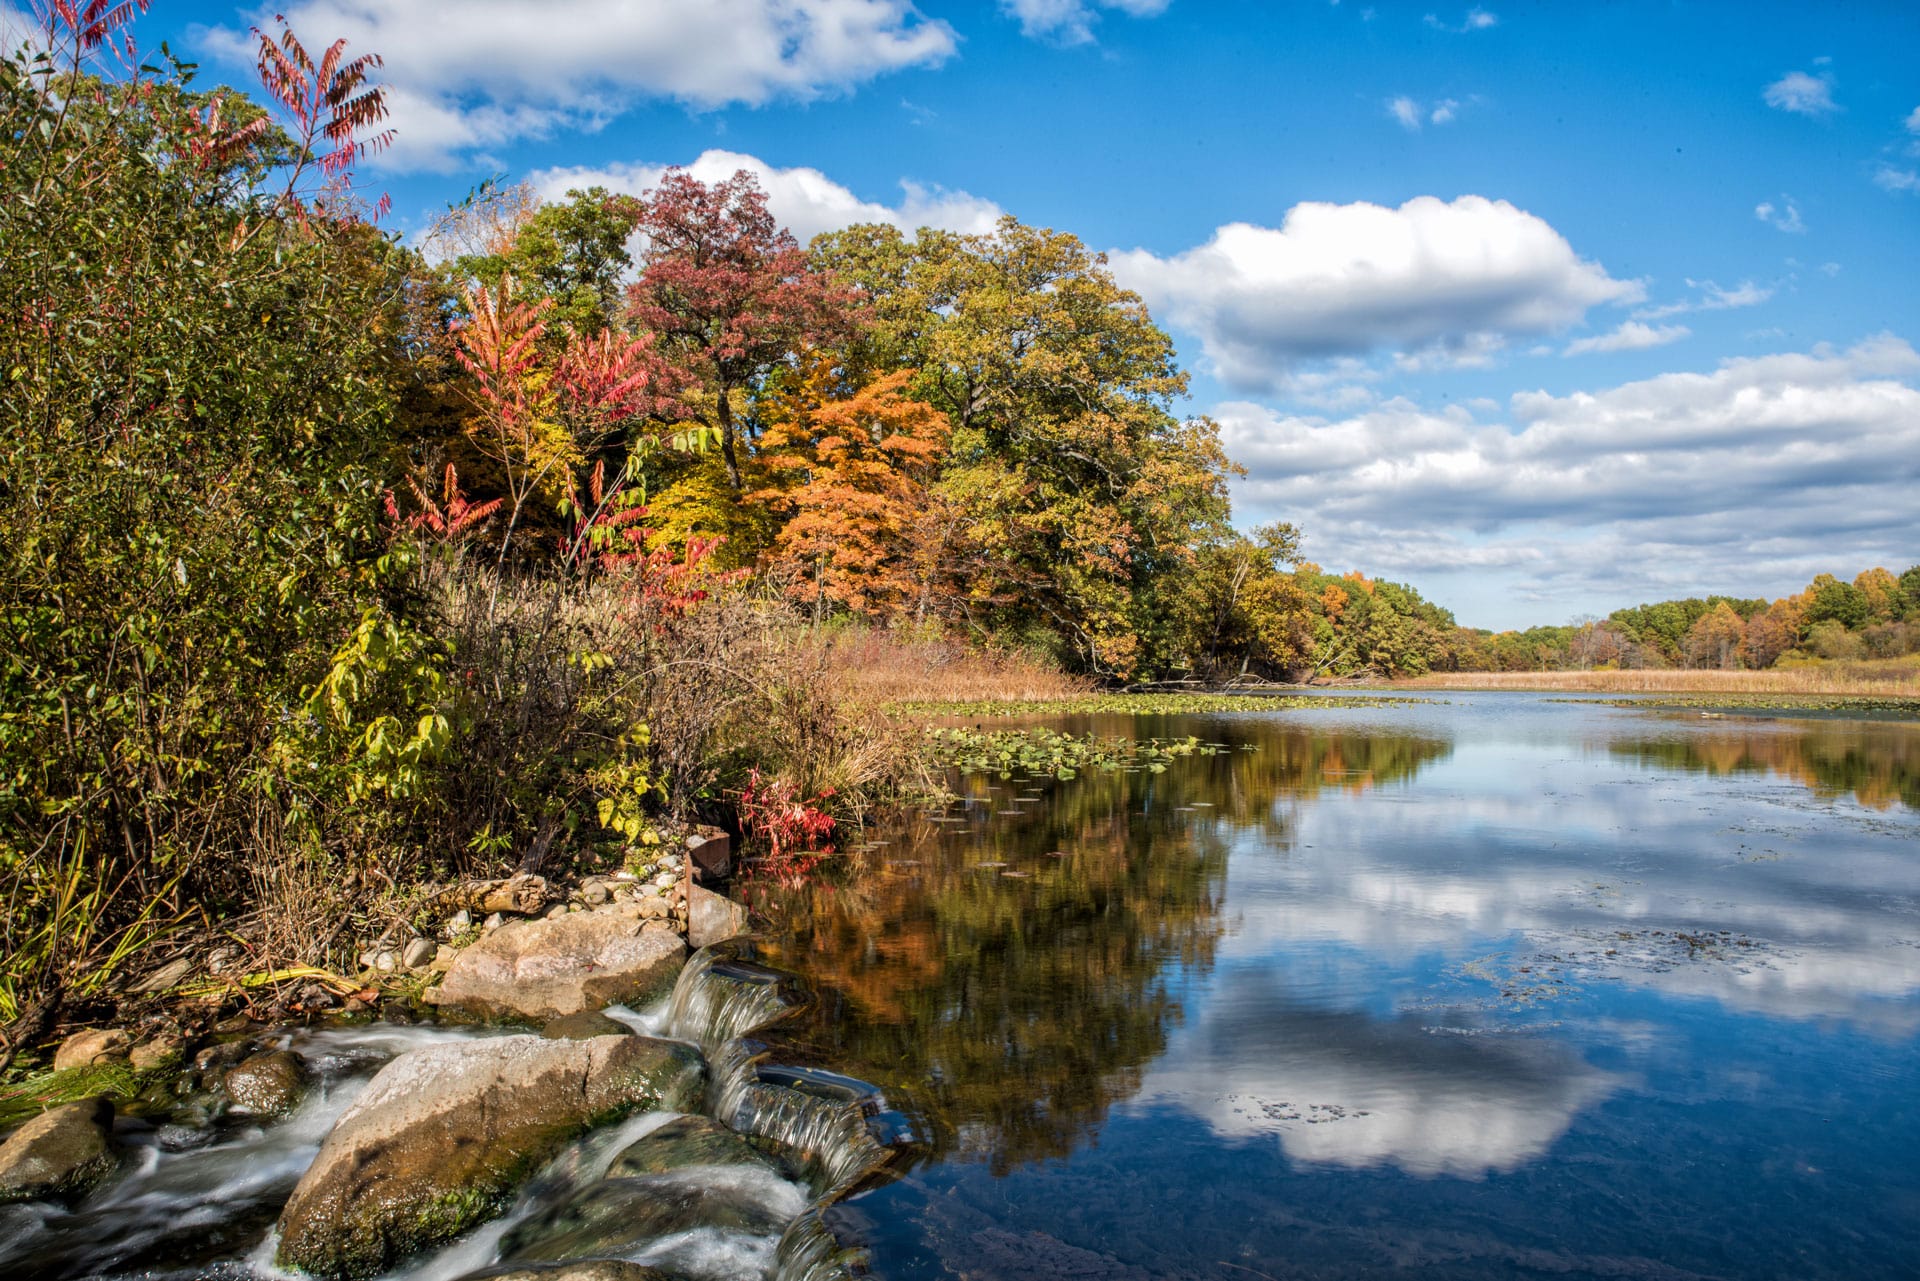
(719,997)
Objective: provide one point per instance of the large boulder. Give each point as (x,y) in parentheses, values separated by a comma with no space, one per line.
(62,1153)
(441,1137)
(541,970)
(713,918)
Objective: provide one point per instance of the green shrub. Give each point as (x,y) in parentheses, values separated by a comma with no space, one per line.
(199,368)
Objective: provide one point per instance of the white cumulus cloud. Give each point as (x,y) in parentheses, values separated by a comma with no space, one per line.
(1632,335)
(805,200)
(1889,178)
(1802,94)
(1476,20)
(1411,113)
(468,74)
(1071,21)
(1431,278)
(1726,477)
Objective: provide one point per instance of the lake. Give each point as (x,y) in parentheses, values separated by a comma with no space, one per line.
(1502,986)
(1492,985)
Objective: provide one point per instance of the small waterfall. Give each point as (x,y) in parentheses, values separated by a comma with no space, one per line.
(185,1197)
(809,1250)
(832,1124)
(719,997)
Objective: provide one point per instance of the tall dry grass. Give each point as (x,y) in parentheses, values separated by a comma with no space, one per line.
(879,667)
(1876,678)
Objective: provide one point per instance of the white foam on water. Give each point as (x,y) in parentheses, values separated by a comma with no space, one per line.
(352,1049)
(260,1262)
(782,1198)
(651,1021)
(710,1254)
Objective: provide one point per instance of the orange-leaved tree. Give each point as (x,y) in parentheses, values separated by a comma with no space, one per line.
(861,524)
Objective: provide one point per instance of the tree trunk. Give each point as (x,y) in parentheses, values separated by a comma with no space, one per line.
(726,441)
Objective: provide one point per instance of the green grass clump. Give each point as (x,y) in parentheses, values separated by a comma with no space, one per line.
(115,1078)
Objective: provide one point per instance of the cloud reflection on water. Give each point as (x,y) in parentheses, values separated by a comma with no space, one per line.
(1344,1088)
(1408,973)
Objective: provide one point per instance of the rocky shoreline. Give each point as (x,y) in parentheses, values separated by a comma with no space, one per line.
(452,1132)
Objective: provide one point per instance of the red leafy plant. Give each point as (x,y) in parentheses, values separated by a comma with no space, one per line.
(450,520)
(794,828)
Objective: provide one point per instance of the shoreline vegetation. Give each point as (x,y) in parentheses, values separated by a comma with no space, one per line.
(338,572)
(1893,681)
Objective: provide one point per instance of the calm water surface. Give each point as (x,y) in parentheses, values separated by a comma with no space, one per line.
(1502,987)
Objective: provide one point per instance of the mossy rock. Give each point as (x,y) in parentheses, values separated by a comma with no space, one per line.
(443,1135)
(62,1154)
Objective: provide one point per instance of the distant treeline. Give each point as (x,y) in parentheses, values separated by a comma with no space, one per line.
(1877,615)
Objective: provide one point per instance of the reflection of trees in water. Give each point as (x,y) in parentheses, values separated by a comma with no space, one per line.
(1017,1004)
(1015,1008)
(1299,763)
(1878,764)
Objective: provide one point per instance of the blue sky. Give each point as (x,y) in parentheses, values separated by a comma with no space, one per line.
(1545,308)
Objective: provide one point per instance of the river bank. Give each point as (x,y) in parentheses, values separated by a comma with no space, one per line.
(569,1082)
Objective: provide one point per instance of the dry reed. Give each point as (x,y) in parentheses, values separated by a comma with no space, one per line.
(876,668)
(1885,678)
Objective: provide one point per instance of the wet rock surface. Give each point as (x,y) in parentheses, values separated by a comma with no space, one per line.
(685,1141)
(549,968)
(583,1026)
(621,1216)
(442,1135)
(60,1154)
(269,1084)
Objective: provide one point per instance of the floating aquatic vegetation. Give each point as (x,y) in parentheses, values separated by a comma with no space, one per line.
(1779,703)
(1049,752)
(1154,704)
